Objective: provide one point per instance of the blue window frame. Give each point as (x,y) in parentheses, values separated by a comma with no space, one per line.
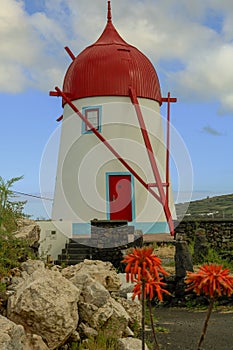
(94,116)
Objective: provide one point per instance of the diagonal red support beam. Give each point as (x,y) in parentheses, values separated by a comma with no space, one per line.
(168,99)
(70,53)
(106,143)
(163,197)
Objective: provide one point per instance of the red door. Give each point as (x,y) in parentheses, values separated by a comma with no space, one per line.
(120,197)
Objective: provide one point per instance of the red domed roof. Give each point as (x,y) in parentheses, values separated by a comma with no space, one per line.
(108,67)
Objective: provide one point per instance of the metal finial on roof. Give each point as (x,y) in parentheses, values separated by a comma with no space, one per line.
(109,12)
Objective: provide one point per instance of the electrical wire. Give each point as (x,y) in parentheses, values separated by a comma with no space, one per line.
(31,195)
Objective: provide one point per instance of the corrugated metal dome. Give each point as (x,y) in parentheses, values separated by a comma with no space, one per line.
(108,67)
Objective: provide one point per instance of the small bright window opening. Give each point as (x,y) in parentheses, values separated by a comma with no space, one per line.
(93,115)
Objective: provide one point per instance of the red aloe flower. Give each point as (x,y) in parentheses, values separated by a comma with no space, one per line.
(211,279)
(214,281)
(151,286)
(144,268)
(145,259)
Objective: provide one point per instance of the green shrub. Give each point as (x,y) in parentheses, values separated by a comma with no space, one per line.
(13,251)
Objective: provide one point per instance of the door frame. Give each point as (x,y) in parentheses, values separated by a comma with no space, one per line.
(108,174)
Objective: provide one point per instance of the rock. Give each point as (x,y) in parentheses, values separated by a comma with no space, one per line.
(30,231)
(111,317)
(45,303)
(183,259)
(17,275)
(87,331)
(30,266)
(92,292)
(101,271)
(75,336)
(126,287)
(34,342)
(117,324)
(129,344)
(93,316)
(128,332)
(134,310)
(11,335)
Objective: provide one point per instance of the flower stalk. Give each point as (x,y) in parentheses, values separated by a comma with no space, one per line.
(145,269)
(213,281)
(210,308)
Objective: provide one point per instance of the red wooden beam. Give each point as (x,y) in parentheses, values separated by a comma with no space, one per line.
(163,197)
(60,118)
(70,53)
(54,93)
(168,99)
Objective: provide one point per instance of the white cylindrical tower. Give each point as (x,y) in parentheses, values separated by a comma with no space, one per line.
(118,170)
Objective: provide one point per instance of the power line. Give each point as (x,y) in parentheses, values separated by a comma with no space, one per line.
(34,196)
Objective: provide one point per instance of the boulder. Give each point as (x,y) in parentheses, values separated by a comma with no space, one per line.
(11,335)
(117,324)
(111,317)
(30,231)
(101,271)
(129,344)
(126,287)
(134,310)
(18,275)
(30,266)
(45,303)
(183,259)
(34,342)
(87,331)
(92,292)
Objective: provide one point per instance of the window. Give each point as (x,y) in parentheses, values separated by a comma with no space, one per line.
(93,115)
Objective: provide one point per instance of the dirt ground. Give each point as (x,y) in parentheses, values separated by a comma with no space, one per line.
(184,329)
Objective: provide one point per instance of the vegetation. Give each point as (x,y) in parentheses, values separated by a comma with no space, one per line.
(213,281)
(145,269)
(213,256)
(12,250)
(100,342)
(10,210)
(215,207)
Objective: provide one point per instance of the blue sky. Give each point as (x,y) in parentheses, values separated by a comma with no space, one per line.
(190,43)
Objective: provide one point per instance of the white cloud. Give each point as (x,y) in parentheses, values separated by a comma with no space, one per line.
(196,35)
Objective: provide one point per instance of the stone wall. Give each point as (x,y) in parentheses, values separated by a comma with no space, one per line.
(219,232)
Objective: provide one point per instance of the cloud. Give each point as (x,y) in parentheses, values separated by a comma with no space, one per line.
(28,51)
(190,43)
(211,131)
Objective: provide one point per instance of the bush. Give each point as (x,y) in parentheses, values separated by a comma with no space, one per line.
(13,251)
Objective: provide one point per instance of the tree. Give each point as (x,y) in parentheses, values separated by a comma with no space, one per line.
(9,210)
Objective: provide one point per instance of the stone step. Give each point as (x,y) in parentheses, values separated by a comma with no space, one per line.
(97,247)
(79,245)
(73,256)
(77,251)
(68,262)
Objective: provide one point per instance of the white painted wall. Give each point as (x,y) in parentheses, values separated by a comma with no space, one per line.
(53,237)
(80,193)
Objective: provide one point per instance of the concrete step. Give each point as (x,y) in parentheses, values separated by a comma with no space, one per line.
(74,256)
(77,251)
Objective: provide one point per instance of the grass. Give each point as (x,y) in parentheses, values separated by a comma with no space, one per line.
(101,342)
(220,206)
(213,256)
